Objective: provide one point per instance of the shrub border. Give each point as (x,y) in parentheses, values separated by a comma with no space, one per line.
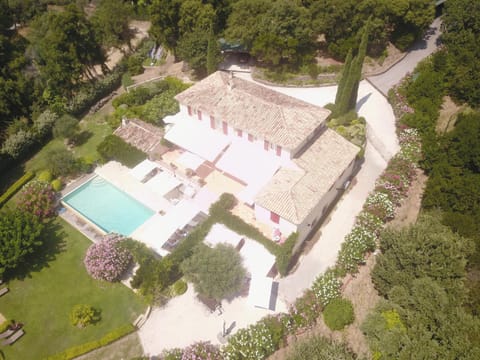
(15,187)
(85,348)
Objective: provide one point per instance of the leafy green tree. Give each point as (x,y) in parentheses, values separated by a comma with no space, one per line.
(15,86)
(427,249)
(243,24)
(114,148)
(285,34)
(216,273)
(462,40)
(20,235)
(193,48)
(165,16)
(61,162)
(110,21)
(25,10)
(422,321)
(65,49)
(195,16)
(160,106)
(65,127)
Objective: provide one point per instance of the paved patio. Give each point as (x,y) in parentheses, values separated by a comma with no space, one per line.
(185,320)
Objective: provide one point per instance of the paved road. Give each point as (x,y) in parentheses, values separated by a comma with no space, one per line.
(420,51)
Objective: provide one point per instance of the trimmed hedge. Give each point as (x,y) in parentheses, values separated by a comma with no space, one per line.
(338,313)
(12,190)
(75,351)
(115,148)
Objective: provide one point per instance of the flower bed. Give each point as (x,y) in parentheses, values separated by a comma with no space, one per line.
(106,260)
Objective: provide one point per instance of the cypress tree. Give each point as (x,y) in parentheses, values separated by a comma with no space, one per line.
(212,48)
(343,79)
(347,92)
(357,72)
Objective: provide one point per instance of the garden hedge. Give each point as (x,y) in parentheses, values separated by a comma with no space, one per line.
(12,190)
(78,350)
(338,313)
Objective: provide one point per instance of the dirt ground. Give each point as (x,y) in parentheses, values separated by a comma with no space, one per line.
(409,209)
(448,115)
(371,66)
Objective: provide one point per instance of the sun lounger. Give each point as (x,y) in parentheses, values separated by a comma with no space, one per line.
(3,291)
(18,334)
(6,333)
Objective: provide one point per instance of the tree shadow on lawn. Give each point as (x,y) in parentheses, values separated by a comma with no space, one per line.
(53,244)
(82,137)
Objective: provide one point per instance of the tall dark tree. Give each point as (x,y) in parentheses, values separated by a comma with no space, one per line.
(462,40)
(65,48)
(348,87)
(110,22)
(165,16)
(20,235)
(213,53)
(345,75)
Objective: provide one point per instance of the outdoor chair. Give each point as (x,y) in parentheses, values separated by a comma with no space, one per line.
(18,334)
(6,333)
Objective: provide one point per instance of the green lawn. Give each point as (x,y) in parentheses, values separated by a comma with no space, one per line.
(42,300)
(93,128)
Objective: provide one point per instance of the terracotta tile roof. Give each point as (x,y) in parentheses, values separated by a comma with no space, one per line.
(267,114)
(143,136)
(293,192)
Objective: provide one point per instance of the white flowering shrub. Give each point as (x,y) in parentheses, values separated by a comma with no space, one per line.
(379,205)
(352,253)
(326,287)
(252,343)
(369,221)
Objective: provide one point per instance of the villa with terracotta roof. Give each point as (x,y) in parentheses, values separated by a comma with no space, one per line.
(289,166)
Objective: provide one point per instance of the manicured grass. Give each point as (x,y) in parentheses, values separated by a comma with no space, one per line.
(98,129)
(42,298)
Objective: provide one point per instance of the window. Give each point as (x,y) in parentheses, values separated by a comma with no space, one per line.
(225,127)
(212,122)
(239,133)
(279,150)
(250,137)
(189,108)
(266,145)
(274,217)
(199,114)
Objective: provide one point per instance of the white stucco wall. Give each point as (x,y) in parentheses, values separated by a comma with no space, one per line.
(263,215)
(316,214)
(232,134)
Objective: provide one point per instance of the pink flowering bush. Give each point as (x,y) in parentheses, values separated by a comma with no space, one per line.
(305,310)
(38,198)
(107,260)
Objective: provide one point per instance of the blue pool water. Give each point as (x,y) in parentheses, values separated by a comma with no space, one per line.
(108,207)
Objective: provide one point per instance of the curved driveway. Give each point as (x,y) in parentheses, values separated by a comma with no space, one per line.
(418,52)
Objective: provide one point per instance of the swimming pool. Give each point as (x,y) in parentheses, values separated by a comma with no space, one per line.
(108,207)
